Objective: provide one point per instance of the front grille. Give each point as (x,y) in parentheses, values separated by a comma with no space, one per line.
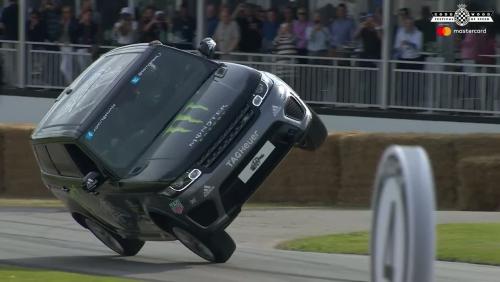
(242,120)
(294,110)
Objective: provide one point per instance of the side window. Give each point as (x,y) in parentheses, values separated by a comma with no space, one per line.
(63,161)
(43,158)
(82,161)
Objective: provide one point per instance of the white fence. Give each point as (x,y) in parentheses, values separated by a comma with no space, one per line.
(431,85)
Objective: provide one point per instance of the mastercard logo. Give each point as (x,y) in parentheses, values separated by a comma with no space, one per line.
(444,31)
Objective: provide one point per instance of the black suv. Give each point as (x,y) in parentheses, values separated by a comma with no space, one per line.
(154,143)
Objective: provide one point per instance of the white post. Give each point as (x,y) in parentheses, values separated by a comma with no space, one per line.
(386,54)
(21,49)
(78,7)
(200,22)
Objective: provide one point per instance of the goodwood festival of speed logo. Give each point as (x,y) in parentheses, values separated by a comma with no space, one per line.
(461,17)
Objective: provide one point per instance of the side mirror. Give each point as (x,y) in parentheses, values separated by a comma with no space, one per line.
(91,181)
(207,47)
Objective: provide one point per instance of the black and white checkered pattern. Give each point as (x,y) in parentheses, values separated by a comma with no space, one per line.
(462,17)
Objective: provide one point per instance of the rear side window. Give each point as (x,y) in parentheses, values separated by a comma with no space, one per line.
(46,164)
(64,159)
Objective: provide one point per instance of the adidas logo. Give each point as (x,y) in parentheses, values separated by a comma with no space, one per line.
(207,190)
(276,110)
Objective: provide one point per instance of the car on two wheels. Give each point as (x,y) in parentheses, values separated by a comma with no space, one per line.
(154,143)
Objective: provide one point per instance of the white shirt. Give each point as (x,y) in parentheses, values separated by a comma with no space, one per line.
(125,39)
(411,50)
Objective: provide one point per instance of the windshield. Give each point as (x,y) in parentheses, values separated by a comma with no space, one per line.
(143,106)
(88,90)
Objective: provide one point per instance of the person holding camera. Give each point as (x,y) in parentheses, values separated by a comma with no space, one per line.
(125,30)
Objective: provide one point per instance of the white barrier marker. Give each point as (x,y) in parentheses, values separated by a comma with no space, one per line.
(403,224)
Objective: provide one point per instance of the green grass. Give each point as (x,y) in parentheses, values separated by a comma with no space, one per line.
(471,243)
(38,203)
(17,274)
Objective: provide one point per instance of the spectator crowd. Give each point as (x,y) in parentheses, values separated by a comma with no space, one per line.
(246,28)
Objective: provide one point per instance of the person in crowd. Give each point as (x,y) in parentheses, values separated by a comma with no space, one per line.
(284,43)
(318,37)
(299,31)
(288,15)
(87,29)
(408,44)
(162,26)
(227,34)
(88,5)
(370,35)
(125,30)
(425,25)
(10,19)
(250,27)
(211,21)
(51,19)
(10,32)
(342,29)
(68,34)
(403,14)
(269,30)
(87,34)
(147,26)
(261,14)
(184,26)
(35,31)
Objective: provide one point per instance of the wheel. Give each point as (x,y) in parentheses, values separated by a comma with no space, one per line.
(315,135)
(124,247)
(216,247)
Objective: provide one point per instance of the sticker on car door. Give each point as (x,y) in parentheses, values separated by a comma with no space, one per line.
(256,162)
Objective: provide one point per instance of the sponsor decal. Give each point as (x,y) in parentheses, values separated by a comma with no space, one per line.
(207,189)
(461,17)
(91,133)
(194,106)
(150,66)
(238,154)
(209,125)
(89,136)
(135,80)
(176,206)
(444,31)
(193,201)
(256,162)
(276,110)
(176,130)
(188,118)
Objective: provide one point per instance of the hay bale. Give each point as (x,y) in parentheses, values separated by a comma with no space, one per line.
(304,176)
(476,145)
(479,183)
(21,172)
(360,154)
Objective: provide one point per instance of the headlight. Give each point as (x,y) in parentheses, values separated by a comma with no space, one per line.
(182,183)
(263,88)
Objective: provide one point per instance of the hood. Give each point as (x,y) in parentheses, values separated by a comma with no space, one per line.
(196,127)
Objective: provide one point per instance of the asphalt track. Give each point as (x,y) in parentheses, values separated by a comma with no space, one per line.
(49,238)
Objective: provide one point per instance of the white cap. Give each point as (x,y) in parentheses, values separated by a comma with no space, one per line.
(126,10)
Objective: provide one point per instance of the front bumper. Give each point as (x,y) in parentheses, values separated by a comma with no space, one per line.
(215,198)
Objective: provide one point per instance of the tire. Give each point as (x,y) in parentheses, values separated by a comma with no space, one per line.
(216,248)
(121,246)
(315,135)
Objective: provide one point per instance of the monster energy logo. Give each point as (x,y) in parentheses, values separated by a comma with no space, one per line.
(185,118)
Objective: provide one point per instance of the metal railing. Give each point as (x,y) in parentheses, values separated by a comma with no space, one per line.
(430,85)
